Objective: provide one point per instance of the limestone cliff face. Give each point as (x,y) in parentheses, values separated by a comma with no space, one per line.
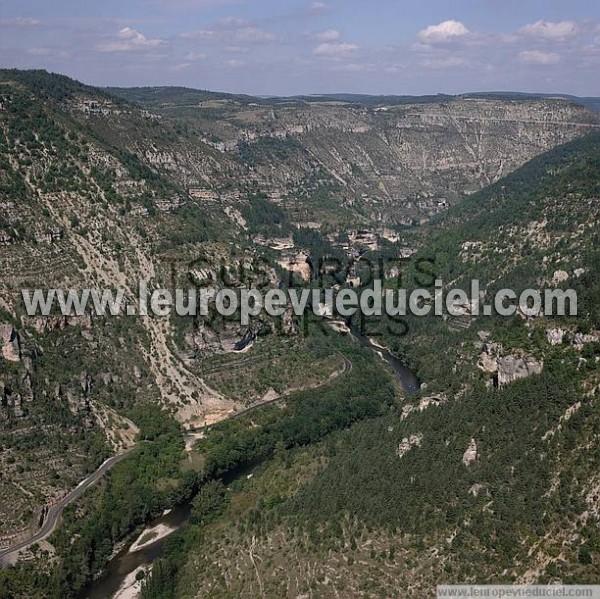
(10,343)
(507,368)
(555,336)
(101,196)
(415,152)
(408,443)
(402,161)
(512,368)
(470,454)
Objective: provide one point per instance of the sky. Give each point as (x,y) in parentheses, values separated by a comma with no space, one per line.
(288,47)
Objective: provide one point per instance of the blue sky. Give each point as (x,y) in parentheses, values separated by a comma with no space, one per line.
(289,47)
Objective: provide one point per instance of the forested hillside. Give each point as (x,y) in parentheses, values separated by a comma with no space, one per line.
(335,483)
(537,229)
(492,478)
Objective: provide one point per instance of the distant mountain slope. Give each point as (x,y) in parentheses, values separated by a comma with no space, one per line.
(386,160)
(489,475)
(536,228)
(86,203)
(98,192)
(158,96)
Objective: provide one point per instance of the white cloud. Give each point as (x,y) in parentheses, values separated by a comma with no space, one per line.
(128,39)
(234,31)
(233,63)
(352,67)
(538,57)
(195,56)
(318,7)
(253,35)
(547,30)
(20,22)
(331,35)
(232,22)
(203,34)
(443,32)
(335,50)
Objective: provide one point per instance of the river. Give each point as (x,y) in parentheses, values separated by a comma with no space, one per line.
(126,562)
(408,379)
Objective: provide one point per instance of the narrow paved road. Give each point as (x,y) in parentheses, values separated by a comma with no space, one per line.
(55,511)
(346,368)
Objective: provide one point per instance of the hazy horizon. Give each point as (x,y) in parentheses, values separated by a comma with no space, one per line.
(309,94)
(305,47)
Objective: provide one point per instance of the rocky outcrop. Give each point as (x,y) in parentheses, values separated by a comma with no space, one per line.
(581,339)
(555,336)
(476,489)
(488,358)
(408,443)
(296,263)
(512,368)
(507,368)
(10,343)
(231,338)
(10,402)
(559,276)
(470,454)
(44,324)
(426,402)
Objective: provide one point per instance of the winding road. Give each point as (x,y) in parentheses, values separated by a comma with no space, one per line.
(55,511)
(346,368)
